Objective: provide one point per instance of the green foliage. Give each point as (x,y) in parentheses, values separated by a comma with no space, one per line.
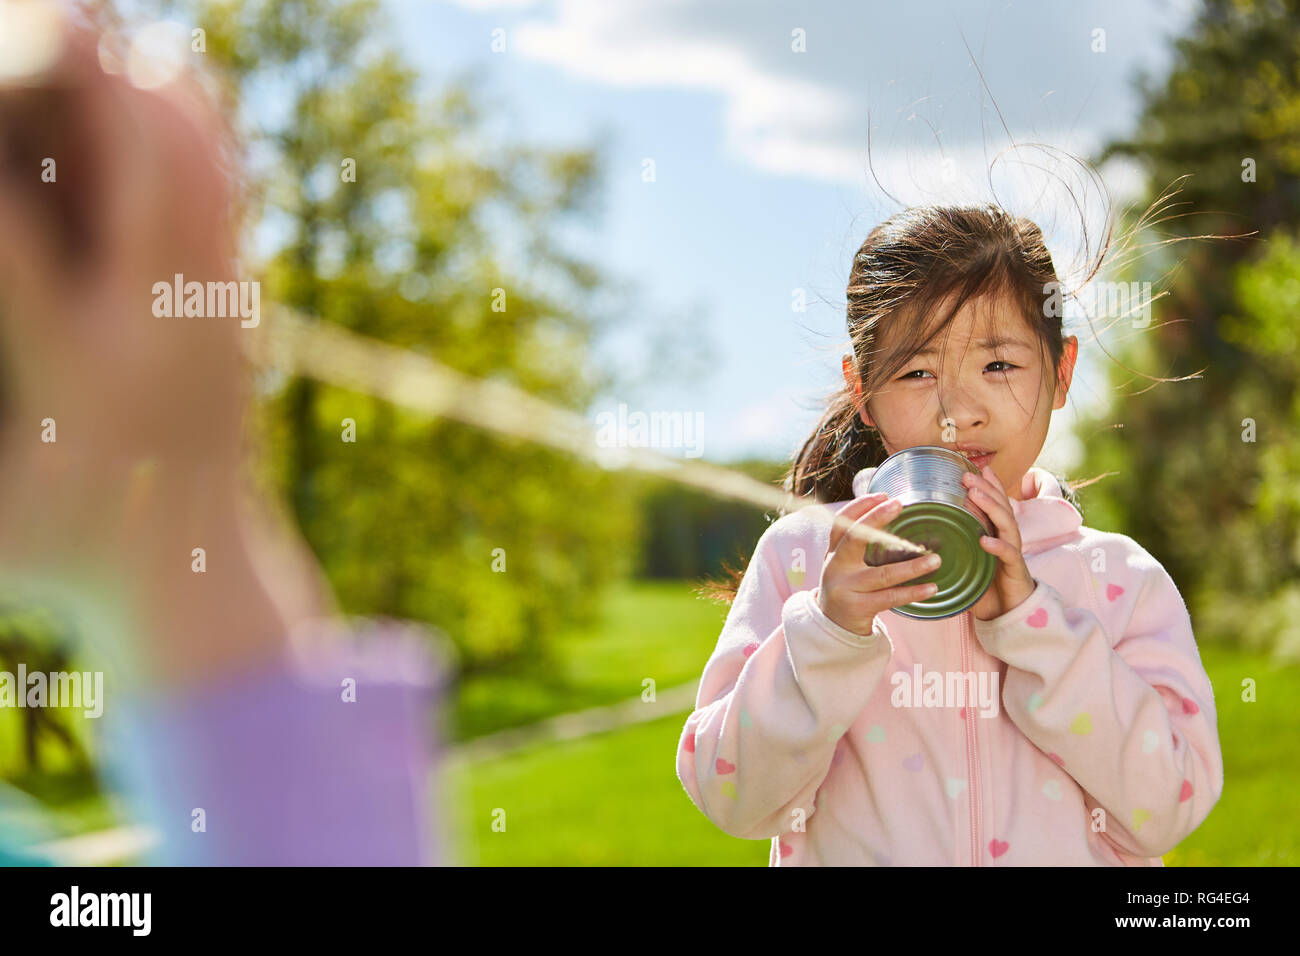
(35,740)
(1233,93)
(689,534)
(1268,292)
(1216,508)
(442,245)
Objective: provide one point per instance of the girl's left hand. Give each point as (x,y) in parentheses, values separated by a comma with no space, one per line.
(1012,582)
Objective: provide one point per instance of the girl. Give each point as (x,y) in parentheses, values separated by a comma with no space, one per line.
(1065,719)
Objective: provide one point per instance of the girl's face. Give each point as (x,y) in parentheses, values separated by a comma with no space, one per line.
(973,391)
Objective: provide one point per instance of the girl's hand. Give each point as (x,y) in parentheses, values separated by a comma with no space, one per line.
(852,592)
(1012,582)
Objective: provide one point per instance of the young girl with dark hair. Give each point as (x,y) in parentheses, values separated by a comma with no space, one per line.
(822,721)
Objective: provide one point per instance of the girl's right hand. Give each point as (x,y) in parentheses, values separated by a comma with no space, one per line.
(852,592)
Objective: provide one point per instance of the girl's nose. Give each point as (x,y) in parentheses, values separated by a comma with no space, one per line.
(962,414)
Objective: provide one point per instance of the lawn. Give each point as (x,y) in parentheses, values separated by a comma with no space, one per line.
(1254,822)
(608,800)
(613,799)
(650,629)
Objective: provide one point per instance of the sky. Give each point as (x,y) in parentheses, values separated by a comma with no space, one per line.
(755,116)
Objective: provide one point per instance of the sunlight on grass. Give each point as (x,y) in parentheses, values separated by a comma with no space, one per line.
(654,629)
(591,802)
(608,800)
(613,799)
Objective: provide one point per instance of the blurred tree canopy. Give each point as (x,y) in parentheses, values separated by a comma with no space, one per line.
(1206,468)
(404,221)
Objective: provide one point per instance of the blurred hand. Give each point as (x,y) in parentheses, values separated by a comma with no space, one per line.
(140,195)
(148,461)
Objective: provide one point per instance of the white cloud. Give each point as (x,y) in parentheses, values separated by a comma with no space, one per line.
(774,120)
(778,122)
(493,4)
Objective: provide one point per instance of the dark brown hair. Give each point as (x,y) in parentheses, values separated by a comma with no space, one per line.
(903,272)
(907,267)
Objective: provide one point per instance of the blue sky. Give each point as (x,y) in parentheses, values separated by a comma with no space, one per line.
(761,179)
(755,115)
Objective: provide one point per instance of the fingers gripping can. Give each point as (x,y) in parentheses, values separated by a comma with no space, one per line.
(926,481)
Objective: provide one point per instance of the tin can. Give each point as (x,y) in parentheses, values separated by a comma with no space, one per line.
(936,513)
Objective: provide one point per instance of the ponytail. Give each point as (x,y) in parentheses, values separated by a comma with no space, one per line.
(840,447)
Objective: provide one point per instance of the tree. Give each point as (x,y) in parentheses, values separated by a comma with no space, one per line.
(1190,483)
(386,203)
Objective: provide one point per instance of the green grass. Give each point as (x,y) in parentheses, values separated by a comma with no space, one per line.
(1255,822)
(614,799)
(607,800)
(650,629)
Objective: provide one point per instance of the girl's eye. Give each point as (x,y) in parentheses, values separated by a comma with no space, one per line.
(1008,365)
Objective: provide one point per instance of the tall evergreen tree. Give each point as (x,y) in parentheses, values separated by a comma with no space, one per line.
(1224,126)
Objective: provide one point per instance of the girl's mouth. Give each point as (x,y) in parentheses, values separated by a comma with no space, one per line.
(979,460)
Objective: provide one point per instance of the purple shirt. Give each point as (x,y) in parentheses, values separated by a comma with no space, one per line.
(322,763)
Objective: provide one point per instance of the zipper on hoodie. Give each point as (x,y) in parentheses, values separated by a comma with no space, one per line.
(973,790)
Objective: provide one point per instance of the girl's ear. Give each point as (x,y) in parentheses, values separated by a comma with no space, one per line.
(850,374)
(1065,372)
(854,384)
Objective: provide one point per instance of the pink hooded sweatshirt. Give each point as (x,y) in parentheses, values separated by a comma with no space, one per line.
(1077,729)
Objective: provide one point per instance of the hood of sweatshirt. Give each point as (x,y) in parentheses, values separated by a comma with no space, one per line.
(1044,516)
